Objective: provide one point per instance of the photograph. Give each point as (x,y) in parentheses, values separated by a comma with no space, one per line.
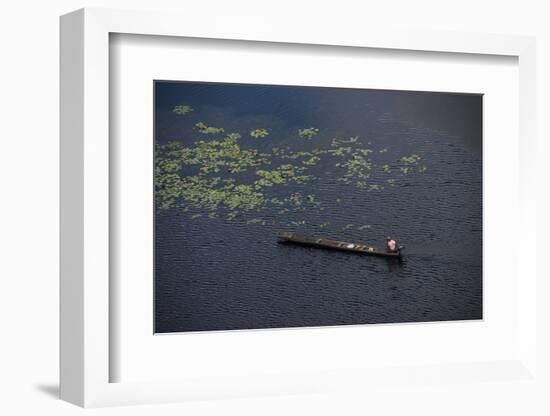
(285,206)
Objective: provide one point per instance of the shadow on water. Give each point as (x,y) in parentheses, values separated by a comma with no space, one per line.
(394,264)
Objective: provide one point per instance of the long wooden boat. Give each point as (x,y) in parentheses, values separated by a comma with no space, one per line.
(286,237)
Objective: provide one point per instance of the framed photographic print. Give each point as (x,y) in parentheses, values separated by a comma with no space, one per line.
(283,212)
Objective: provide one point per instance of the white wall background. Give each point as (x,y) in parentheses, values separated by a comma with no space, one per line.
(29,204)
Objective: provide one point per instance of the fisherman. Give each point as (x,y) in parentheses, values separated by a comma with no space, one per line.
(391,245)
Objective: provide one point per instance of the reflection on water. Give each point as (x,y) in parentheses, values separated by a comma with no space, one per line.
(216,274)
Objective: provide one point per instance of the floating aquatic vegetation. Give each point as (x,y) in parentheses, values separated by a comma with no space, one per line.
(196,216)
(214,156)
(276,201)
(410,160)
(308,133)
(269,178)
(317,151)
(422,169)
(339,142)
(277,151)
(311,161)
(365,227)
(296,199)
(340,151)
(169,189)
(169,165)
(347,227)
(231,215)
(204,129)
(297,155)
(408,163)
(181,110)
(244,198)
(301,179)
(358,168)
(259,133)
(312,200)
(226,178)
(324,225)
(283,174)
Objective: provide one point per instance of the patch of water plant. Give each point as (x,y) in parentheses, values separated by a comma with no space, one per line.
(225,176)
(181,110)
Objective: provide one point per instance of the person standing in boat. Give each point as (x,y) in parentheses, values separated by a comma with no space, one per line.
(391,245)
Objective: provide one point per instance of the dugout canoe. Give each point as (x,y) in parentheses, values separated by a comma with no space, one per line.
(285,237)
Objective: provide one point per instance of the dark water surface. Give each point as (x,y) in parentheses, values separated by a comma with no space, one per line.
(216,274)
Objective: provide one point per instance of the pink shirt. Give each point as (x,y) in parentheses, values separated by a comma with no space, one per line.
(392,245)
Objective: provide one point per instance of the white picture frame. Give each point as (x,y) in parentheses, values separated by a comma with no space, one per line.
(85,184)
